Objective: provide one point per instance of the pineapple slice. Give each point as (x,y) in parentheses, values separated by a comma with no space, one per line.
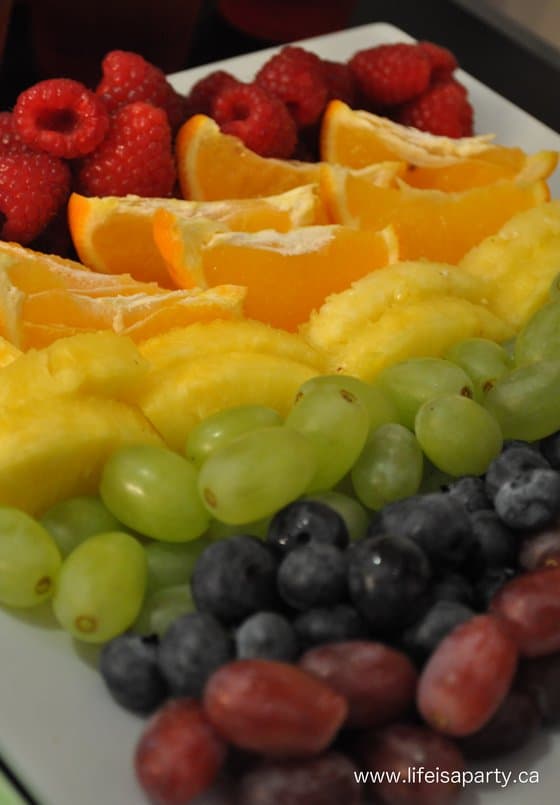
(187,392)
(519,263)
(92,363)
(8,352)
(55,450)
(426,327)
(345,314)
(185,343)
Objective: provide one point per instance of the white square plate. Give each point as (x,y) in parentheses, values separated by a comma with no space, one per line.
(59,729)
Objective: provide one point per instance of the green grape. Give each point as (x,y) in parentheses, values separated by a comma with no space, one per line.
(351,511)
(554,291)
(101,587)
(171,563)
(379,406)
(74,520)
(154,491)
(539,340)
(337,424)
(458,435)
(389,468)
(220,428)
(484,361)
(256,474)
(433,479)
(162,607)
(29,560)
(218,530)
(413,382)
(526,401)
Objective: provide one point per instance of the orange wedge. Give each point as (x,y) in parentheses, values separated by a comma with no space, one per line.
(113,235)
(212,165)
(287,275)
(357,139)
(140,316)
(432,224)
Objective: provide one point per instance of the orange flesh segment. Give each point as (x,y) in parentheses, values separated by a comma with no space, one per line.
(212,165)
(430,223)
(287,276)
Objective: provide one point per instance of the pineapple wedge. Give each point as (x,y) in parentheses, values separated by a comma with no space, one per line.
(519,263)
(345,314)
(187,392)
(55,450)
(91,363)
(8,352)
(426,327)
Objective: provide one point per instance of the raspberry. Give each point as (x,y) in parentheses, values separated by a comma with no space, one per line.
(33,187)
(135,157)
(442,60)
(261,120)
(391,74)
(340,82)
(296,76)
(128,78)
(62,117)
(443,109)
(9,138)
(202,95)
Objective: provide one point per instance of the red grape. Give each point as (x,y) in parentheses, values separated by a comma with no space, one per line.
(419,756)
(467,677)
(324,780)
(540,677)
(541,550)
(179,754)
(273,708)
(530,607)
(378,682)
(513,724)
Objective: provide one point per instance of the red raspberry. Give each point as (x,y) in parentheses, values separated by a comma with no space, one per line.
(442,60)
(296,76)
(127,78)
(33,187)
(261,120)
(443,109)
(136,156)
(9,138)
(202,95)
(340,82)
(391,74)
(62,117)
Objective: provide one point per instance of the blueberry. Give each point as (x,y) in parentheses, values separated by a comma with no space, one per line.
(488,585)
(129,666)
(436,522)
(192,648)
(420,639)
(306,521)
(388,579)
(234,578)
(470,491)
(550,448)
(453,587)
(268,636)
(329,625)
(495,544)
(511,463)
(531,500)
(312,576)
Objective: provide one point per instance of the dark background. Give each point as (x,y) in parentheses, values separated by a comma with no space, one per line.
(518,70)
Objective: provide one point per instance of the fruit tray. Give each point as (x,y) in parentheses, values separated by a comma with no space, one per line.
(61,733)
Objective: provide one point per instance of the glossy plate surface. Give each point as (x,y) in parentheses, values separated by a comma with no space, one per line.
(59,730)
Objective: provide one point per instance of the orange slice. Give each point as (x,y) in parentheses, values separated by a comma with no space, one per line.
(212,165)
(287,275)
(357,139)
(113,235)
(59,313)
(432,224)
